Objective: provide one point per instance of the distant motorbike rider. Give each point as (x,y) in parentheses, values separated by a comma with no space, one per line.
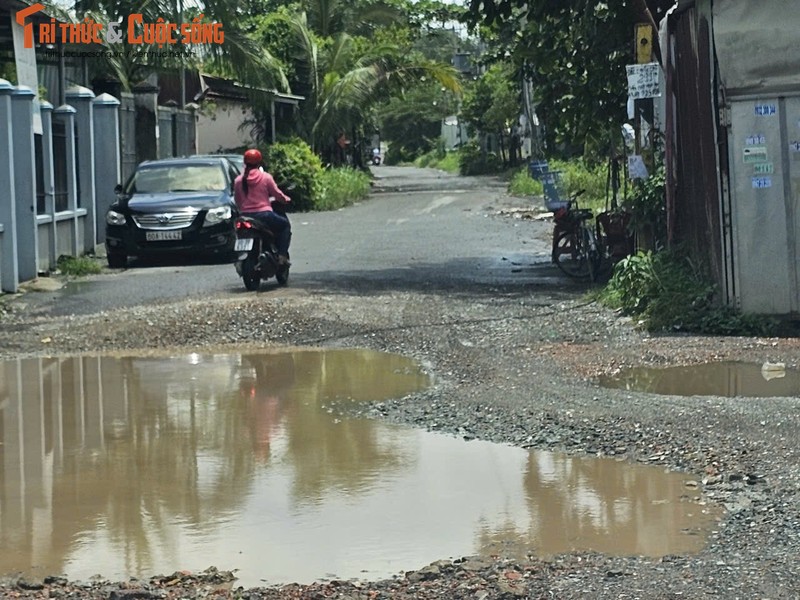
(253,191)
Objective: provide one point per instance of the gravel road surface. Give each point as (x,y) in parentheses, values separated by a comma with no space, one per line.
(448,271)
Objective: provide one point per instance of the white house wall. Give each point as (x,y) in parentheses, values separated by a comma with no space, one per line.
(765,179)
(218,130)
(756,49)
(756,46)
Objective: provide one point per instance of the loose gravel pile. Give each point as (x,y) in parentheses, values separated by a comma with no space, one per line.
(510,366)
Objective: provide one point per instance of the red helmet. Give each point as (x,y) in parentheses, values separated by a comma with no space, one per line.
(252,157)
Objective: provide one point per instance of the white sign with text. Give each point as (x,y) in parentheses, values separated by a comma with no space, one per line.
(643,80)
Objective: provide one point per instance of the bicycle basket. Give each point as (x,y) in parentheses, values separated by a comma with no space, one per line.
(614,227)
(554,195)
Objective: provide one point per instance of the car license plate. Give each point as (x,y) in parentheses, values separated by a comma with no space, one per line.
(243,244)
(162,236)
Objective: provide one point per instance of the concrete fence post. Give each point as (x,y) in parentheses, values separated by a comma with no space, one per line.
(81,99)
(24,154)
(107,172)
(9,277)
(65,115)
(191,132)
(48,177)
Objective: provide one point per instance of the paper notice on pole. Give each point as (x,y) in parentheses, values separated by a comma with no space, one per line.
(25,60)
(636,167)
(643,80)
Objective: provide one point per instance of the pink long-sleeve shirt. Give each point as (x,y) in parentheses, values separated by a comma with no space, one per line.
(260,187)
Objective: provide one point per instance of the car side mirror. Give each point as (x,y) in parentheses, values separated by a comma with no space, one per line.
(118,188)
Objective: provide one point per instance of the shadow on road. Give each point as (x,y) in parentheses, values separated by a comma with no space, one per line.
(176,260)
(467,277)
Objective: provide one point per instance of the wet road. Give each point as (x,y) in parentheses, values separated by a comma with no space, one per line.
(420,228)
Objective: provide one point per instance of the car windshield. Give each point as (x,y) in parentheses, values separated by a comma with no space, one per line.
(177,178)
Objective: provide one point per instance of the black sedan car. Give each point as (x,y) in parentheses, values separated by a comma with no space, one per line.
(236,159)
(173,206)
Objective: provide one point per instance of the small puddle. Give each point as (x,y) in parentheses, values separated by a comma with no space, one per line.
(134,466)
(730,379)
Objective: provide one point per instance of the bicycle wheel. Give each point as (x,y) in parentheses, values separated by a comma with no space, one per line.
(570,253)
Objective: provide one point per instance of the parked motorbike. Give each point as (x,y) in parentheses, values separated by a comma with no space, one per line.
(376,157)
(258,258)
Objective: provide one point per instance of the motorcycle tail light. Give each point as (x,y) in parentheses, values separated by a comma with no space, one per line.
(243,225)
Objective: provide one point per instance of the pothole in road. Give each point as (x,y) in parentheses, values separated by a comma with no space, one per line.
(729,379)
(133,466)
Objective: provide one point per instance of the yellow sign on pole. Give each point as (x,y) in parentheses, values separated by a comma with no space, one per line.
(644,43)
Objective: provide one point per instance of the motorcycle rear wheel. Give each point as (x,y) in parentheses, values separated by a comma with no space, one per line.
(250,274)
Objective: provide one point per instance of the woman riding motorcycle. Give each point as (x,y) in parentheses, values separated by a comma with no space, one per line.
(253,192)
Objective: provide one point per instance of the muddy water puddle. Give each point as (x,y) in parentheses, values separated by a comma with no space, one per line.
(729,379)
(134,466)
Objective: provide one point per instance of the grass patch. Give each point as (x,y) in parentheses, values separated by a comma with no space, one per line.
(341,187)
(437,159)
(667,291)
(78,266)
(577,175)
(523,185)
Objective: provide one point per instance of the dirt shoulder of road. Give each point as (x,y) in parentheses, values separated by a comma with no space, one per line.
(530,356)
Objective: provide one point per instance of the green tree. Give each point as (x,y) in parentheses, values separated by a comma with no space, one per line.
(328,18)
(412,122)
(492,103)
(240,56)
(574,52)
(344,78)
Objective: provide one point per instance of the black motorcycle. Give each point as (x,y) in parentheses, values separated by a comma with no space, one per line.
(258,258)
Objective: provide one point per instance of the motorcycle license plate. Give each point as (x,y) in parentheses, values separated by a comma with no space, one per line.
(243,244)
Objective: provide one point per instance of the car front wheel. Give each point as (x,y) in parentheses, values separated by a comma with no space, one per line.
(117,260)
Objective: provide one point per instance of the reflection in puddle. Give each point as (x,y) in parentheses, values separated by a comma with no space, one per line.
(729,379)
(135,466)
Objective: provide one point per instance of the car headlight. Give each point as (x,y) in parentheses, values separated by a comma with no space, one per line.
(217,215)
(115,218)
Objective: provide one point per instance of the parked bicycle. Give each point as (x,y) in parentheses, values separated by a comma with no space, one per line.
(577,251)
(585,246)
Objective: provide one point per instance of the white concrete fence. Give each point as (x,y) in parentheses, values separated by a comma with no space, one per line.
(55,187)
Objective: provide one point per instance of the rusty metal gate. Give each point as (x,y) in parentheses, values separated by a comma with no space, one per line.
(127,136)
(184,134)
(165,132)
(60,178)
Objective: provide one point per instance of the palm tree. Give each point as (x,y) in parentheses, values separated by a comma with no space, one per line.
(239,57)
(330,17)
(343,86)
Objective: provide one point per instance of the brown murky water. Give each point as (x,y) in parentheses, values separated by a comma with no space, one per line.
(730,379)
(135,466)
